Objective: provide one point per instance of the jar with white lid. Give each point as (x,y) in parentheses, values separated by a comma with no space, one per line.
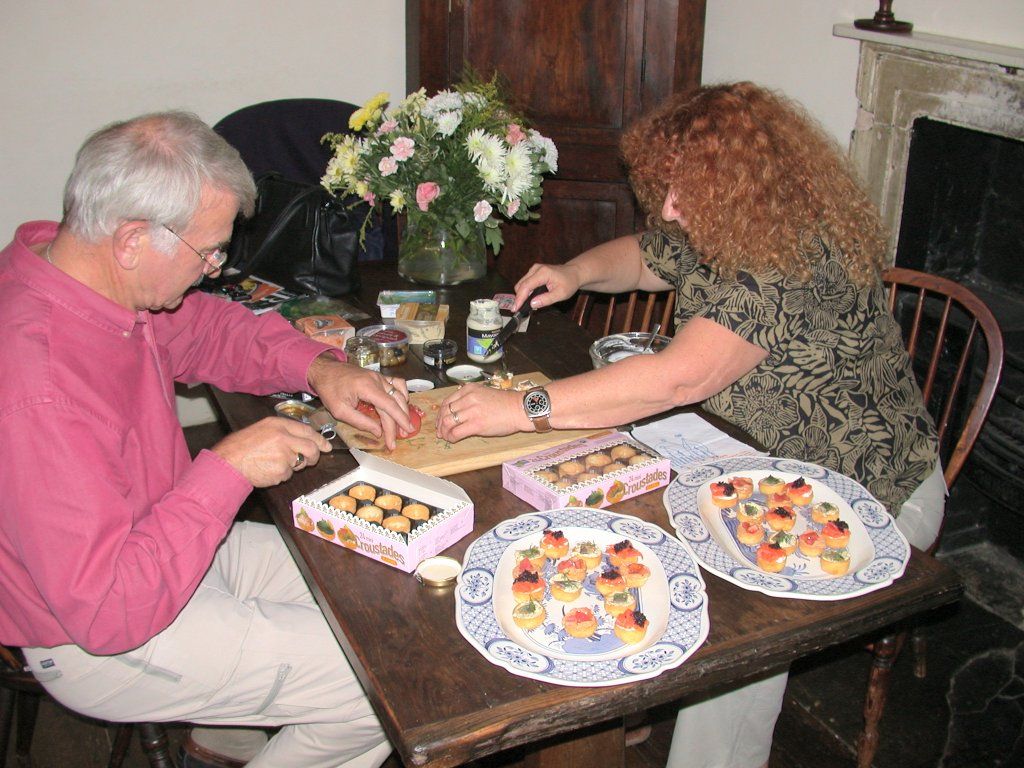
(482,327)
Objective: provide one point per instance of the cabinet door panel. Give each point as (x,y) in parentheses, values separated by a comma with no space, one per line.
(581,70)
(569,63)
(574,216)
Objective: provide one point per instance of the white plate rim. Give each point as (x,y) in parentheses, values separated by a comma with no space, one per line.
(688,603)
(891,550)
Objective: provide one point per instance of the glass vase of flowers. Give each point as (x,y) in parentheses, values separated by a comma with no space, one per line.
(456,164)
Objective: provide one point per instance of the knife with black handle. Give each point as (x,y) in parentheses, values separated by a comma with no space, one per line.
(515,321)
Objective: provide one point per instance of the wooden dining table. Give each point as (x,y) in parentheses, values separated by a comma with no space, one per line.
(441,702)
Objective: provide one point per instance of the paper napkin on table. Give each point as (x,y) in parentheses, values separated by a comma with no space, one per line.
(686,438)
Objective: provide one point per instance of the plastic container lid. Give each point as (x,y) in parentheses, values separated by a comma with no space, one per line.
(439,571)
(386,336)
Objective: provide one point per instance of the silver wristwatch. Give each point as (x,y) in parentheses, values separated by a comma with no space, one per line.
(537,405)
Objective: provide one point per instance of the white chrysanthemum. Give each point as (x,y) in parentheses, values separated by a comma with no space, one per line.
(475,143)
(444,101)
(334,173)
(447,122)
(517,161)
(515,186)
(491,174)
(476,100)
(492,150)
(546,147)
(397,200)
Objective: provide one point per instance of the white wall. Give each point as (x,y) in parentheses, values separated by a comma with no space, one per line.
(70,66)
(788,44)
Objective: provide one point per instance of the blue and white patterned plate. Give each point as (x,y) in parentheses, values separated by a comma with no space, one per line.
(878,550)
(673,599)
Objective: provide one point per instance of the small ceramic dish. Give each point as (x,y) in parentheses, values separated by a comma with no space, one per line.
(294,409)
(464,374)
(419,385)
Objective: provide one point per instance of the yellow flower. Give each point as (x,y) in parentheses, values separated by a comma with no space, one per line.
(397,200)
(369,112)
(362,188)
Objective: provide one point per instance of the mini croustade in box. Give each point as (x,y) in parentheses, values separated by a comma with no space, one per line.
(386,511)
(595,471)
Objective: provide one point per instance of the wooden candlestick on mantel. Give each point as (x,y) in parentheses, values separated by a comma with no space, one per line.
(884,20)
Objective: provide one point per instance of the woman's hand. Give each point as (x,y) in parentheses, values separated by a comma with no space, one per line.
(561,281)
(475,409)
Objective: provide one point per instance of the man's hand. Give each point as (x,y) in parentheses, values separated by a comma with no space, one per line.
(268,452)
(341,387)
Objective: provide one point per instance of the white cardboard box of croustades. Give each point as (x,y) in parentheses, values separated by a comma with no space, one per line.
(590,471)
(451,513)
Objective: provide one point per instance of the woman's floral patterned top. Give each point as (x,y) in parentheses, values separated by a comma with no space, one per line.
(836,388)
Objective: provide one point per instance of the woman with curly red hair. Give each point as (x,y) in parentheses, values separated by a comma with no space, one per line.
(782,328)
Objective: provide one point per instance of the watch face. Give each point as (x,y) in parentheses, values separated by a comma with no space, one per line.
(537,404)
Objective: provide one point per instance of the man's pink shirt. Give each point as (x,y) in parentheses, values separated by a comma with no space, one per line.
(106,523)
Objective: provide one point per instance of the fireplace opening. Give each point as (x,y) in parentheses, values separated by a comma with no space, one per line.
(963,218)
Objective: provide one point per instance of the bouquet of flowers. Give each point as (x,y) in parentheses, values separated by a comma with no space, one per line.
(458,160)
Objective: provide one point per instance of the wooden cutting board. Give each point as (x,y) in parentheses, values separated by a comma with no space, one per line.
(430,454)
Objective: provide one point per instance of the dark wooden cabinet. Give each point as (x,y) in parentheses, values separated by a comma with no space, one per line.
(582,70)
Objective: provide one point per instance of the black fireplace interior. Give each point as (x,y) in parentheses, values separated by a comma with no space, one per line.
(963,218)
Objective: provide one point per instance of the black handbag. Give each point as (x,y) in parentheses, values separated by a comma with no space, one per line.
(302,238)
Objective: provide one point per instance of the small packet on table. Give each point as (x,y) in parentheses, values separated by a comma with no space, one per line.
(505,303)
(329,329)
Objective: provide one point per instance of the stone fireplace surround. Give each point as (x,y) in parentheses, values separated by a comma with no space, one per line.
(903,77)
(979,87)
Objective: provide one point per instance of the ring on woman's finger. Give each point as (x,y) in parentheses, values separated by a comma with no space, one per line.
(391,391)
(455,416)
(450,409)
(299,461)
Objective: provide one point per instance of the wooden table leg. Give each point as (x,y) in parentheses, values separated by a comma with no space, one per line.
(600,745)
(884,651)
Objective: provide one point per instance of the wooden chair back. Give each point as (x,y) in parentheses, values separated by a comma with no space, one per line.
(941,320)
(603,313)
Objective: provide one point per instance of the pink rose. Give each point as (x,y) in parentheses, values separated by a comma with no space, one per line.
(370,198)
(481,211)
(512,207)
(403,148)
(426,193)
(387,127)
(514,134)
(387,166)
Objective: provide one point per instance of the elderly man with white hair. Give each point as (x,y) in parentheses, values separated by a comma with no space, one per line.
(131,593)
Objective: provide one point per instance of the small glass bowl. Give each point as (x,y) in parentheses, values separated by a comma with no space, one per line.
(621,345)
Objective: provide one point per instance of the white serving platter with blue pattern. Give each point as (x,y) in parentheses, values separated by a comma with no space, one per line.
(673,599)
(879,552)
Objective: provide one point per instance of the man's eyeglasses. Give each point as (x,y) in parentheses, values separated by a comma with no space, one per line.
(213,259)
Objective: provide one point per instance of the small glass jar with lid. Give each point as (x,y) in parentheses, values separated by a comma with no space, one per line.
(364,352)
